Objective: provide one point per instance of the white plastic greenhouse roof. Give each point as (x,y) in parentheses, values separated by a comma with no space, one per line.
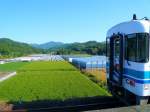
(91,59)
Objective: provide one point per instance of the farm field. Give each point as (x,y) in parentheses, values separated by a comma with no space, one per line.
(13,66)
(37,81)
(48,66)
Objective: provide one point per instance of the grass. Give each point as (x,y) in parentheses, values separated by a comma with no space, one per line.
(13,66)
(46,66)
(48,81)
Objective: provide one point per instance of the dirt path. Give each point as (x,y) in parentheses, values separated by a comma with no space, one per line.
(3,74)
(3,105)
(6,75)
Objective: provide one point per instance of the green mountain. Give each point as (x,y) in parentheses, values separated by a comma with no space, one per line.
(90,47)
(10,48)
(48,45)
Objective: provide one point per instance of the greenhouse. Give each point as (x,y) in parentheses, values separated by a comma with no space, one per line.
(89,62)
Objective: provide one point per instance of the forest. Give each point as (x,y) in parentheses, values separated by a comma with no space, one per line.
(90,47)
(10,48)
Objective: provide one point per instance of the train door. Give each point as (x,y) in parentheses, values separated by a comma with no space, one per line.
(116,59)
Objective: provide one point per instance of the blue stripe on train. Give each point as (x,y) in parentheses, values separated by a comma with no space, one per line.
(137,80)
(137,74)
(133,74)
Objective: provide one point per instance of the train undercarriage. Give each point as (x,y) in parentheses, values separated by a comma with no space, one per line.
(126,96)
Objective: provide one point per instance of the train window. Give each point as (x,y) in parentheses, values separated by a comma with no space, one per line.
(131,46)
(137,47)
(108,47)
(117,47)
(143,47)
(107,53)
(117,53)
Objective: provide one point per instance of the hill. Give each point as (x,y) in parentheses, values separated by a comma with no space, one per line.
(90,47)
(48,45)
(10,48)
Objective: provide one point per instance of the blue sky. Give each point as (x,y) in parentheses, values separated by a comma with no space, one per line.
(39,21)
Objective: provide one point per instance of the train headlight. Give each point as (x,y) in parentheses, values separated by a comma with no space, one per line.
(146,86)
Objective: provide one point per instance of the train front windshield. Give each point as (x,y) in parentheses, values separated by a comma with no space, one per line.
(137,47)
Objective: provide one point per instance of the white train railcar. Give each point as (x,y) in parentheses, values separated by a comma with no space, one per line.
(128,59)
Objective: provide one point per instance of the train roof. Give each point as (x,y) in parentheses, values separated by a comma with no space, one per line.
(133,26)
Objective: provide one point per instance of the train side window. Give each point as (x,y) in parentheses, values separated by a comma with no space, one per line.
(107,53)
(108,47)
(117,54)
(131,47)
(117,47)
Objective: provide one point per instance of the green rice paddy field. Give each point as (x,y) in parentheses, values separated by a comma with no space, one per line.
(46,81)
